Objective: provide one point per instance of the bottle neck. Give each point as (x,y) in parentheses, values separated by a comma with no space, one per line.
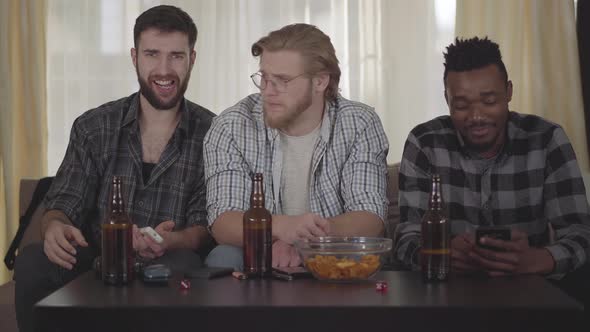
(435,201)
(117,203)
(257,196)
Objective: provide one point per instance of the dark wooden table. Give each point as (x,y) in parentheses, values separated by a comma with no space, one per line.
(525,303)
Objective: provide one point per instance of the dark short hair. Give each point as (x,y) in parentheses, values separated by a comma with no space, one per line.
(473,53)
(168,19)
(314,45)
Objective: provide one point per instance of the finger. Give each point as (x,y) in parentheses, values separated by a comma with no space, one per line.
(53,258)
(493,265)
(76,235)
(316,231)
(512,246)
(63,254)
(506,257)
(135,230)
(57,260)
(323,224)
(460,242)
(304,233)
(166,226)
(59,255)
(139,242)
(147,253)
(62,241)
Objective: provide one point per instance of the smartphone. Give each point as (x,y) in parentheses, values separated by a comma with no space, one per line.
(157,273)
(494,232)
(291,273)
(208,272)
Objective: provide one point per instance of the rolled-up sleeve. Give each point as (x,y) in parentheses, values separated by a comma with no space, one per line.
(365,171)
(226,174)
(72,188)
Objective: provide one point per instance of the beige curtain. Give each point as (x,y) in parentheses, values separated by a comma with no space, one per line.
(539,47)
(23,129)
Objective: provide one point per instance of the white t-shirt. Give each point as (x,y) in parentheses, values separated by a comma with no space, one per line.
(295,175)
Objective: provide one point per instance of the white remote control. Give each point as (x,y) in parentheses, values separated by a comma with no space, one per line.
(152,234)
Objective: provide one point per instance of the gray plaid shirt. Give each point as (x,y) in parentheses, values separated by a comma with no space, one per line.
(106,141)
(348,164)
(535,180)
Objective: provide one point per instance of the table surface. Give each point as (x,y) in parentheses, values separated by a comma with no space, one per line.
(463,303)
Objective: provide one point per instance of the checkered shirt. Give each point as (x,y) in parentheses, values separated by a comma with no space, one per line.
(106,141)
(348,163)
(535,180)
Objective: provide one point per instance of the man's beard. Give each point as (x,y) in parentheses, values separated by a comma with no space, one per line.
(281,121)
(151,96)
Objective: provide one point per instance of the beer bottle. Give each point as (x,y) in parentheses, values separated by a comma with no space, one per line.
(435,253)
(257,234)
(117,240)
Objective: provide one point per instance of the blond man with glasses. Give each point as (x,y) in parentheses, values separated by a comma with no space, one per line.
(323,157)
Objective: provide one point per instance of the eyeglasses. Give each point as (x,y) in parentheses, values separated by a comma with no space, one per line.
(279,84)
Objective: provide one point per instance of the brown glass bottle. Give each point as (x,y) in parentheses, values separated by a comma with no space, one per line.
(435,253)
(257,234)
(117,240)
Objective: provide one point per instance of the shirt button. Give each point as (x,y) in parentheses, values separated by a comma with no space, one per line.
(140,203)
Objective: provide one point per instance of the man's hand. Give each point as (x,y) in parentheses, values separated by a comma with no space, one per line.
(60,240)
(306,226)
(514,256)
(148,248)
(284,255)
(461,246)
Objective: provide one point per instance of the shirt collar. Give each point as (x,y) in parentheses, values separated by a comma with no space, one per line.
(272,133)
(133,113)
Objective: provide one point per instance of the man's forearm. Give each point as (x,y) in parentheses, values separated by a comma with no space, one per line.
(192,237)
(356,223)
(228,228)
(50,215)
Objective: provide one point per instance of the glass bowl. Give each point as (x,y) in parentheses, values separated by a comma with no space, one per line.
(344,259)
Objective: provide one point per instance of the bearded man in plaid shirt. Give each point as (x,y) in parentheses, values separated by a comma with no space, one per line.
(498,168)
(323,157)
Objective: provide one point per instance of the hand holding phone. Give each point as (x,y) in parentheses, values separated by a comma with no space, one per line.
(494,232)
(152,234)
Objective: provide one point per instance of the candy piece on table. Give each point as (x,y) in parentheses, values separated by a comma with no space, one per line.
(381,286)
(185,284)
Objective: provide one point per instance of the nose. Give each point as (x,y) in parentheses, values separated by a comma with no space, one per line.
(476,113)
(163,66)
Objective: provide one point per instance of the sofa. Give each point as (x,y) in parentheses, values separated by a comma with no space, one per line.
(33,234)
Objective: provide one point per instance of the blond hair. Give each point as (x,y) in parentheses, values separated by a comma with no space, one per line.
(314,45)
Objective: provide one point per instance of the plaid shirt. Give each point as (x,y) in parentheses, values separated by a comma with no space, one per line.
(348,163)
(106,141)
(535,180)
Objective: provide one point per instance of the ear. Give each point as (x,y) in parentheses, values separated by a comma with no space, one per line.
(193,56)
(134,57)
(509,91)
(320,82)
